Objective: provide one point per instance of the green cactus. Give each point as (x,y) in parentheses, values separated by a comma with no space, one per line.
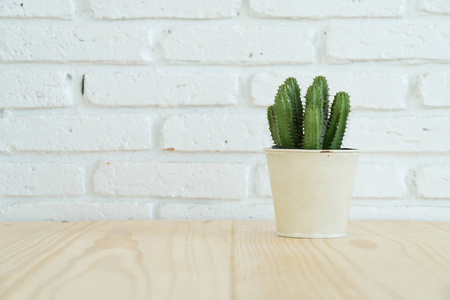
(293,92)
(340,110)
(313,96)
(321,82)
(316,128)
(313,127)
(286,116)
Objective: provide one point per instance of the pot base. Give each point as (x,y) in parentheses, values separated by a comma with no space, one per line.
(311,235)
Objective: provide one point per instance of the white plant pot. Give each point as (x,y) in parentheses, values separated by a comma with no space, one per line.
(312,190)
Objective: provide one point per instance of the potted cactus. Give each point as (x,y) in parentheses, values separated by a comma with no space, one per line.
(311,177)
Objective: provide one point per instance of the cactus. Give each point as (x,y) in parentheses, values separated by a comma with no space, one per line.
(321,82)
(286,116)
(340,110)
(313,127)
(293,91)
(316,128)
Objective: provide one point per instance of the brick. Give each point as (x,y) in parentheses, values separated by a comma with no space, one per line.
(410,213)
(435,6)
(434,181)
(40,179)
(116,44)
(239,45)
(160,89)
(35,89)
(75,133)
(5,134)
(402,133)
(263,188)
(194,9)
(379,181)
(435,89)
(74,211)
(176,211)
(327,9)
(216,132)
(374,91)
(174,180)
(386,42)
(61,9)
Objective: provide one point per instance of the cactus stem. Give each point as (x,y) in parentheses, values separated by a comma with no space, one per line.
(340,110)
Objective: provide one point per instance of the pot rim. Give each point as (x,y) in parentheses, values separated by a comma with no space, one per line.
(324,151)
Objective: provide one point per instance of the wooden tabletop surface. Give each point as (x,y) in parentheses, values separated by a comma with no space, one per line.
(221,260)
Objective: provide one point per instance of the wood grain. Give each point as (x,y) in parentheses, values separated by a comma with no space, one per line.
(377,260)
(117,260)
(221,260)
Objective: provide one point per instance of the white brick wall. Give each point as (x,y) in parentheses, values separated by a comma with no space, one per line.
(435,89)
(105,44)
(174,180)
(75,133)
(40,179)
(411,133)
(434,181)
(70,211)
(239,44)
(380,181)
(418,41)
(320,9)
(160,89)
(35,89)
(220,212)
(435,6)
(215,132)
(60,9)
(193,9)
(157,109)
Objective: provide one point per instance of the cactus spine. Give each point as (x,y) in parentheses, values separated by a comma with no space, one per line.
(286,116)
(316,128)
(313,118)
(313,127)
(293,91)
(340,110)
(321,82)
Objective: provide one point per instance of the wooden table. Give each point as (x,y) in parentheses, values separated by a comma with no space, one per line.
(221,260)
